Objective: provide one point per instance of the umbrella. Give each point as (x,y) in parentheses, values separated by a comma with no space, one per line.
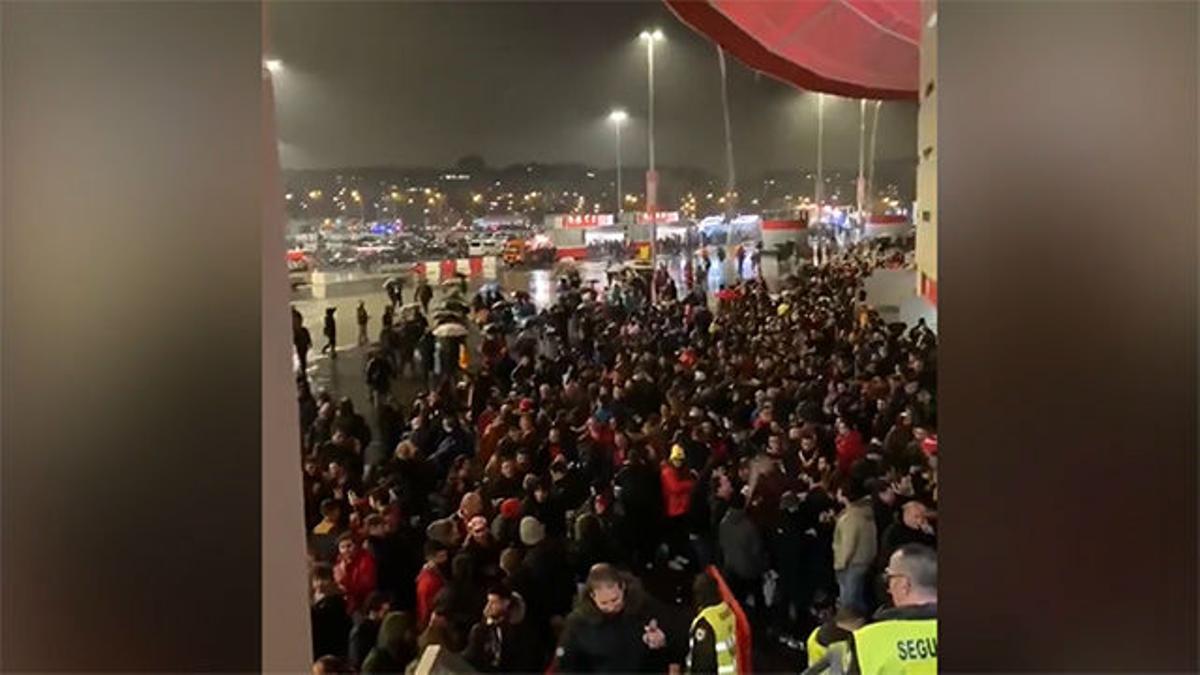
(450,330)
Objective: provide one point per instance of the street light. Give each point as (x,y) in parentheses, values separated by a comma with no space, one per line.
(650,37)
(273,65)
(618,118)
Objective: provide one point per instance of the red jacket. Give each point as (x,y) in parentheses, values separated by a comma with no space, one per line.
(429,583)
(677,487)
(850,449)
(356,576)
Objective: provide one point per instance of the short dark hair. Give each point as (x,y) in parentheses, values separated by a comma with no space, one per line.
(432,548)
(705,591)
(330,507)
(500,589)
(374,520)
(334,665)
(322,572)
(346,536)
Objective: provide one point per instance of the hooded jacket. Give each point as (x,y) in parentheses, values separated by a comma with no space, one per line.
(593,642)
(394,648)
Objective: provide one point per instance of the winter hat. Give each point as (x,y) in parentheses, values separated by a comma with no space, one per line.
(442,531)
(510,509)
(678,456)
(930,446)
(532,531)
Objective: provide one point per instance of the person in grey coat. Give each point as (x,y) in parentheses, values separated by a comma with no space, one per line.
(743,555)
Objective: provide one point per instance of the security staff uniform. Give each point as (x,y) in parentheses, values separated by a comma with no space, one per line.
(901,641)
(712,647)
(822,637)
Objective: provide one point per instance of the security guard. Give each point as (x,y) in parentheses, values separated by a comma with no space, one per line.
(835,631)
(712,647)
(903,639)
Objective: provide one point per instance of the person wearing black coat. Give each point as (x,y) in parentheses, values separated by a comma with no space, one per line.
(365,633)
(352,423)
(330,622)
(638,489)
(330,333)
(503,642)
(302,341)
(616,627)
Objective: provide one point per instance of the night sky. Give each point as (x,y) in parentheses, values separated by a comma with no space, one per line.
(414,84)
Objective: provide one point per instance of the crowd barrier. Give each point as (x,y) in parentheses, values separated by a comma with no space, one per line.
(342,283)
(476,267)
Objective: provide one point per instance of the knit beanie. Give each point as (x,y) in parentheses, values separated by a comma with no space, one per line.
(443,531)
(532,531)
(510,509)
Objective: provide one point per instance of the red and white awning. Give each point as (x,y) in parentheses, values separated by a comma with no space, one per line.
(854,48)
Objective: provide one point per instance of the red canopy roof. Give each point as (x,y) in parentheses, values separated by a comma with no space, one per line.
(854,48)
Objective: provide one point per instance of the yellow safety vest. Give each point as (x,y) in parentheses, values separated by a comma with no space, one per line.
(817,651)
(897,647)
(724,627)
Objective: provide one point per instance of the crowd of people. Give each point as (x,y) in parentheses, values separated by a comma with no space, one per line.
(637,482)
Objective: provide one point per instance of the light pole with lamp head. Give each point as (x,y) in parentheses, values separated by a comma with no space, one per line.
(618,118)
(650,37)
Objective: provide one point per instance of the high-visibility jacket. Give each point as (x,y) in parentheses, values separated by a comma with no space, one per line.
(720,618)
(744,638)
(897,647)
(815,650)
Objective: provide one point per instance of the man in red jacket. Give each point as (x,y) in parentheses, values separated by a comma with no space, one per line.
(430,581)
(354,572)
(850,447)
(677,484)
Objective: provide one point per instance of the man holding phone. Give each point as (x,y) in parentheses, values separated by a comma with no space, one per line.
(617,627)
